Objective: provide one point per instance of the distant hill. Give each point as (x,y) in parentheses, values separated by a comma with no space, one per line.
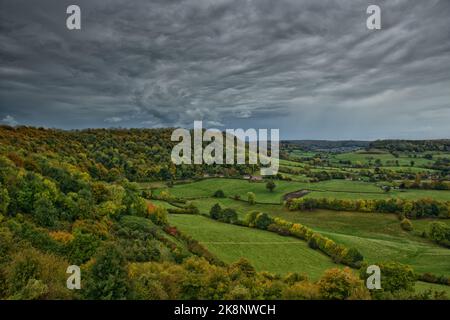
(412,145)
(326,145)
(350,145)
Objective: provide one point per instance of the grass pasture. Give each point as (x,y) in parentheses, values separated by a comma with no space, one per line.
(378,237)
(339,189)
(265,250)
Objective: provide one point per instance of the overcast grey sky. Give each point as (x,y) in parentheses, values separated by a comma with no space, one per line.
(309,68)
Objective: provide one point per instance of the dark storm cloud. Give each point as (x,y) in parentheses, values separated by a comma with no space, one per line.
(310,68)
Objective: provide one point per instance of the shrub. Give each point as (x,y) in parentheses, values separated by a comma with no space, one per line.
(278,229)
(312,243)
(396,277)
(353,257)
(337,284)
(219,194)
(406,224)
(270,185)
(302,291)
(293,277)
(410,208)
(250,218)
(158,215)
(242,266)
(32,274)
(431,278)
(262,221)
(440,233)
(251,198)
(229,215)
(239,292)
(4,200)
(215,212)
(107,278)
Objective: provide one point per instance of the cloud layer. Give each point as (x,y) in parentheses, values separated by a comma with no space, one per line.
(310,68)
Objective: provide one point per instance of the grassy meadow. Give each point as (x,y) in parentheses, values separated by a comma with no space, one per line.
(377,236)
(339,189)
(265,250)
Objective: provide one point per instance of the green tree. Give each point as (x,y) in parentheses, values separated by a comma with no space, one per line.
(45,212)
(396,276)
(219,194)
(270,185)
(337,284)
(23,269)
(251,198)
(216,212)
(107,278)
(439,232)
(229,215)
(82,247)
(4,200)
(354,257)
(158,215)
(250,218)
(262,221)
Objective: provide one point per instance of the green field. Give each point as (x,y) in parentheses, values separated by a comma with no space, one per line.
(339,189)
(423,286)
(384,157)
(231,187)
(265,250)
(409,194)
(377,236)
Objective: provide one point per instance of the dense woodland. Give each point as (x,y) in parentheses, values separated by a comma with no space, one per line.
(412,145)
(71,197)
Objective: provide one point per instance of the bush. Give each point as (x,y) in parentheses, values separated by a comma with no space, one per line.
(250,218)
(107,278)
(278,229)
(294,277)
(431,278)
(215,212)
(406,224)
(4,200)
(229,215)
(312,243)
(251,198)
(337,284)
(302,291)
(410,208)
(219,194)
(262,221)
(440,233)
(242,266)
(396,277)
(353,258)
(270,185)
(158,215)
